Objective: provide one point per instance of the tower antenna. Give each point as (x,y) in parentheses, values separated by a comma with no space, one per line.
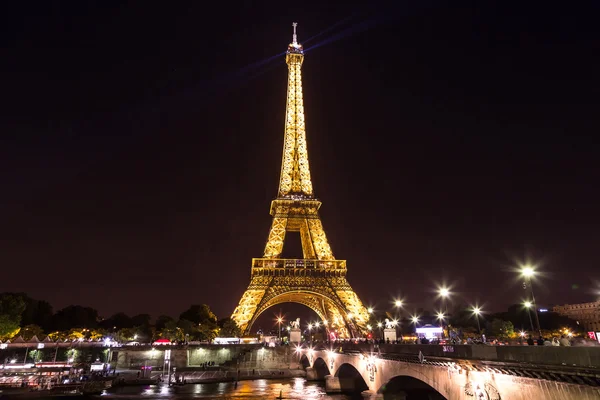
(294,37)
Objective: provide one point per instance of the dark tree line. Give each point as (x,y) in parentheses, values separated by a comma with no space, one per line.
(24,316)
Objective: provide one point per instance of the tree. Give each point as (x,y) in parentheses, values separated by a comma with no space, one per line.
(8,327)
(162,321)
(117,321)
(29,331)
(199,313)
(172,332)
(11,309)
(37,312)
(75,317)
(142,320)
(228,328)
(126,335)
(501,329)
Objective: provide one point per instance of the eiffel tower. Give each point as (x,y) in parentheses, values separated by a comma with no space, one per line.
(317,281)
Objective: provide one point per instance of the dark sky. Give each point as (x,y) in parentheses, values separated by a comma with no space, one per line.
(141,146)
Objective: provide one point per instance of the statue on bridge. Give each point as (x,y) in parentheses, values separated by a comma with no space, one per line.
(388,324)
(295,324)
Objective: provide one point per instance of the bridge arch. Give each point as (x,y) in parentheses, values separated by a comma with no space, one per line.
(351,380)
(321,368)
(304,362)
(411,387)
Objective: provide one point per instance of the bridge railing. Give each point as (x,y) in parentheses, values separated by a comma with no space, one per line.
(582,356)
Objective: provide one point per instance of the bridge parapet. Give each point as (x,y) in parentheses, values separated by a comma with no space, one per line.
(584,356)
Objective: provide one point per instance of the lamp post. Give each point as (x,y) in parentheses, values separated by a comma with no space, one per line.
(380,326)
(528,272)
(415,320)
(477,312)
(279,321)
(528,305)
(398,304)
(310,334)
(440,316)
(443,293)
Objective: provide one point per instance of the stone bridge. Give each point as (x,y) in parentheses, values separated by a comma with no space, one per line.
(457,372)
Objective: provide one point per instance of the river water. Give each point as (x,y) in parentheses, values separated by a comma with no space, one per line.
(294,388)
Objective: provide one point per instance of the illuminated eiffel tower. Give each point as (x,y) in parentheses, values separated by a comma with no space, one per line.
(318,280)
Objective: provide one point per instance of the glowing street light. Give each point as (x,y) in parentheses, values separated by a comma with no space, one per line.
(398,303)
(279,321)
(415,320)
(528,306)
(477,313)
(527,272)
(440,316)
(370,310)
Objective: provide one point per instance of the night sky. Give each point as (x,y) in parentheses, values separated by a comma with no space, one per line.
(141,147)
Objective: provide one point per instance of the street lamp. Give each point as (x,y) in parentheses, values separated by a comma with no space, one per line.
(279,321)
(370,310)
(444,293)
(527,272)
(528,305)
(415,320)
(477,312)
(440,316)
(310,334)
(380,325)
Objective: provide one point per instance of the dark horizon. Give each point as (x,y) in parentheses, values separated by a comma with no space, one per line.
(448,141)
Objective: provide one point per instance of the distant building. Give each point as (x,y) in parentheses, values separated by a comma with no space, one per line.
(587,314)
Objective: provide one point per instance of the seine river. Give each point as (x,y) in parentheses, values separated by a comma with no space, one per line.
(295,388)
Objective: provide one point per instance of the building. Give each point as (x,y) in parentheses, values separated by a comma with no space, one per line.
(587,314)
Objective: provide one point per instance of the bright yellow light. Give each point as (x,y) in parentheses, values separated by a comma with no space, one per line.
(398,303)
(440,315)
(394,322)
(444,292)
(522,333)
(527,304)
(325,322)
(370,310)
(476,310)
(415,319)
(379,324)
(309,326)
(279,320)
(369,327)
(527,271)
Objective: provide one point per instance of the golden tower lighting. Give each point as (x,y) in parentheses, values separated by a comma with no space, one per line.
(317,280)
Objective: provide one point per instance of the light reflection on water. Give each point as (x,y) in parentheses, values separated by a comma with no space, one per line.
(296,388)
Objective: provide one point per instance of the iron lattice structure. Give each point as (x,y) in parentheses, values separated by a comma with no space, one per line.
(318,280)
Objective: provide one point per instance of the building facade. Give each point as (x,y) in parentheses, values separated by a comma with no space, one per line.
(587,314)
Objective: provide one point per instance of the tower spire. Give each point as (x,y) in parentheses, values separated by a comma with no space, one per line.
(294,37)
(295,173)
